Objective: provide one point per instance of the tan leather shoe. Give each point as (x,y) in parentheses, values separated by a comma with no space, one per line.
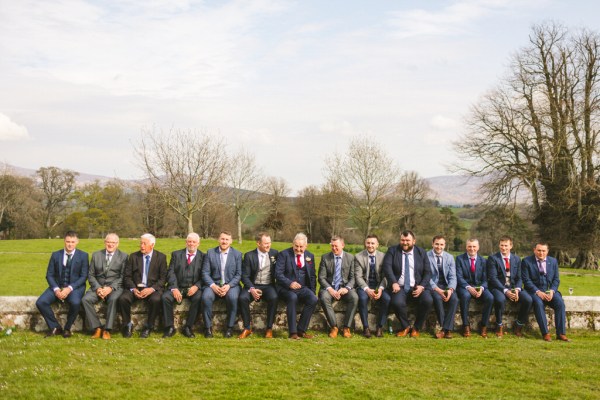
(563,338)
(333,332)
(547,337)
(305,335)
(294,336)
(245,333)
(440,334)
(106,335)
(467,331)
(484,332)
(500,331)
(269,334)
(414,333)
(518,331)
(346,333)
(403,332)
(97,333)
(448,335)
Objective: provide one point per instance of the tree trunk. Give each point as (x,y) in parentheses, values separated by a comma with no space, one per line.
(239,226)
(585,260)
(190,224)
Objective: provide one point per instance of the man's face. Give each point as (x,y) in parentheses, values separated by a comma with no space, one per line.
(439,245)
(407,242)
(371,244)
(299,246)
(192,244)
(264,244)
(541,251)
(472,248)
(111,243)
(505,247)
(70,243)
(146,246)
(337,247)
(224,241)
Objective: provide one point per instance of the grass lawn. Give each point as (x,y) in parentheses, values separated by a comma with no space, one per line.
(510,368)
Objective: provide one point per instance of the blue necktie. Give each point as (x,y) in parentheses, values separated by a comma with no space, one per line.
(146,269)
(337,274)
(406,274)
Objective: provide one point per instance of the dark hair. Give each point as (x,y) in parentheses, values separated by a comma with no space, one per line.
(438,237)
(337,237)
(505,238)
(71,234)
(228,233)
(372,236)
(407,233)
(260,235)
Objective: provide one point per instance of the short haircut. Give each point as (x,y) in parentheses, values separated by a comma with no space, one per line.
(372,236)
(301,236)
(72,234)
(337,237)
(472,240)
(261,235)
(193,236)
(505,238)
(438,237)
(113,235)
(228,233)
(407,233)
(541,243)
(150,237)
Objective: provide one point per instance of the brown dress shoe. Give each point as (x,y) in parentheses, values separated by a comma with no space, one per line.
(67,333)
(346,333)
(106,335)
(440,334)
(563,338)
(500,331)
(547,337)
(269,334)
(518,331)
(403,332)
(294,336)
(379,332)
(414,333)
(448,335)
(97,333)
(305,335)
(367,333)
(467,331)
(484,332)
(245,333)
(333,332)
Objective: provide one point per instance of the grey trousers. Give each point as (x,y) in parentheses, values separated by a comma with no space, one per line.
(90,299)
(350,300)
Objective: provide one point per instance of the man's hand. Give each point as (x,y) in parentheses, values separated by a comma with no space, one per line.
(512,296)
(216,289)
(295,285)
(177,295)
(418,290)
(192,291)
(343,291)
(224,289)
(333,293)
(395,287)
(474,292)
(255,293)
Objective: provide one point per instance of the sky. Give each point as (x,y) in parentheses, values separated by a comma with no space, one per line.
(292,82)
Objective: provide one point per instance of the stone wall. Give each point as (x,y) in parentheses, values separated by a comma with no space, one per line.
(583,312)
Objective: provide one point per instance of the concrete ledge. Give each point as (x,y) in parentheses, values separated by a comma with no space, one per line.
(583,312)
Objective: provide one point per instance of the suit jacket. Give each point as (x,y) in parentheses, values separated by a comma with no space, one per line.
(327,269)
(463,271)
(496,272)
(448,266)
(79,269)
(99,276)
(177,267)
(157,273)
(392,266)
(250,267)
(286,270)
(362,269)
(534,280)
(211,267)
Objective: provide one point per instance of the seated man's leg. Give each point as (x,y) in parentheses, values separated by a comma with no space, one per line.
(111,308)
(539,310)
(560,319)
(363,307)
(168,301)
(350,300)
(291,300)
(74,300)
(44,305)
(269,294)
(208,298)
(231,300)
(425,302)
(90,298)
(244,301)
(327,304)
(309,299)
(499,304)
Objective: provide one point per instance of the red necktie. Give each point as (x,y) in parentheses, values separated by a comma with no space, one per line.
(472,265)
(298,262)
(189,258)
(506,264)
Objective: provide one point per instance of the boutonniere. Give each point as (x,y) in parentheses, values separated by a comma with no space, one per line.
(308,259)
(272,259)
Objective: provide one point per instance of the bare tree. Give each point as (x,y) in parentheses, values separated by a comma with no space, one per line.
(410,195)
(275,196)
(57,185)
(367,176)
(19,206)
(184,167)
(244,180)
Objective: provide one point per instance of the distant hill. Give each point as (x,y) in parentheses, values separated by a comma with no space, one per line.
(81,179)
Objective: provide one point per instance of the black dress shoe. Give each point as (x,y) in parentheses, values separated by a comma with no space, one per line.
(229,333)
(54,332)
(379,332)
(187,332)
(127,331)
(67,334)
(145,333)
(170,331)
(367,333)
(208,333)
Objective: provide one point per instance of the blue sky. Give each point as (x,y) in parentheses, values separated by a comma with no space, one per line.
(290,81)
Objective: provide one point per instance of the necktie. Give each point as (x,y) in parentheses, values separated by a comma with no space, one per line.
(439,264)
(68,264)
(372,271)
(337,274)
(472,265)
(298,262)
(406,273)
(146,269)
(222,269)
(506,264)
(66,271)
(189,258)
(108,258)
(541,267)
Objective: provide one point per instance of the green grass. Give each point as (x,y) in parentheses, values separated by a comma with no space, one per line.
(389,368)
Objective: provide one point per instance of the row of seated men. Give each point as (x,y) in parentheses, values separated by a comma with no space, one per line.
(404,274)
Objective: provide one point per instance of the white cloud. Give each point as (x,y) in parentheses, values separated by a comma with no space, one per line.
(439,122)
(11,131)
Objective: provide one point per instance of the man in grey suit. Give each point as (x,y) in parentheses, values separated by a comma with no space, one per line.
(106,284)
(184,280)
(370,284)
(336,277)
(221,275)
(443,286)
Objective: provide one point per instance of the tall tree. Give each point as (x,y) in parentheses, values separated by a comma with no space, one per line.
(277,191)
(184,167)
(57,185)
(538,130)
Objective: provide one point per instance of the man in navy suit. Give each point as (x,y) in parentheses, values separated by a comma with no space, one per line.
(408,273)
(297,283)
(66,275)
(443,286)
(221,275)
(541,280)
(504,281)
(471,274)
(144,279)
(184,280)
(258,277)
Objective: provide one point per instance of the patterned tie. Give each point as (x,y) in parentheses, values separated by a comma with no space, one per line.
(541,267)
(406,273)
(67,271)
(337,274)
(146,269)
(373,270)
(506,264)
(108,258)
(439,264)
(472,265)
(298,262)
